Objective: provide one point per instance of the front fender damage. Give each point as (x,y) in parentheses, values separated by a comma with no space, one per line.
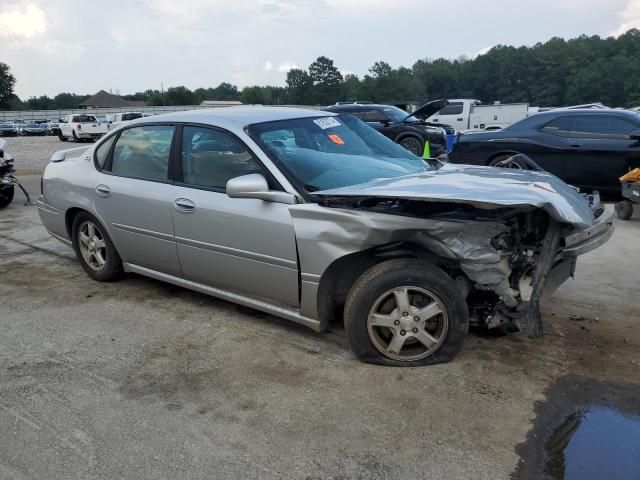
(327,234)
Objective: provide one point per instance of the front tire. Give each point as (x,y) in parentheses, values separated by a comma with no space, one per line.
(502,161)
(94,249)
(624,209)
(412,144)
(405,312)
(6,195)
(62,137)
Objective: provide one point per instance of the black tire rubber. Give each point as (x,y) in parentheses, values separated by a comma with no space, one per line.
(624,209)
(411,144)
(502,158)
(61,137)
(75,137)
(113,266)
(6,195)
(388,275)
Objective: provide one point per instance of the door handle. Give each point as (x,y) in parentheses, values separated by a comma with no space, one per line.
(575,145)
(184,205)
(103,190)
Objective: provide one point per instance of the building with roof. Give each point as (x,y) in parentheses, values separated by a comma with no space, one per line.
(104,99)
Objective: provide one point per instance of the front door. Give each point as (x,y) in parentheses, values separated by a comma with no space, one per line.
(237,244)
(133,196)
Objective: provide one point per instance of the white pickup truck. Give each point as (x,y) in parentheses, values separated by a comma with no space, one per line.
(80,127)
(121,118)
(469,114)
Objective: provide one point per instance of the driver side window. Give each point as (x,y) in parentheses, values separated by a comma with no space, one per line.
(210,158)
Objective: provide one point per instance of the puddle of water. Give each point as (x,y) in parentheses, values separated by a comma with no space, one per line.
(595,444)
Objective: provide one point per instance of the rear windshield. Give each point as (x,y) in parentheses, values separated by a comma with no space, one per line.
(331,152)
(130,116)
(83,118)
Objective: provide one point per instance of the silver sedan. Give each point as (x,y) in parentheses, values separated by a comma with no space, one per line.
(313,216)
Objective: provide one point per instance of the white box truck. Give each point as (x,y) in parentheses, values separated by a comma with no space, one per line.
(469,114)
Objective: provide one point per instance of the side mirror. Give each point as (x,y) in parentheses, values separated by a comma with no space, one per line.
(255,186)
(635,135)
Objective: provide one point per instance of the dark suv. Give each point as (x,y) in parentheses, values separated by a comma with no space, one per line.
(409,130)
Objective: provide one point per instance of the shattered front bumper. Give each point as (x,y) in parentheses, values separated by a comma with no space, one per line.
(591,238)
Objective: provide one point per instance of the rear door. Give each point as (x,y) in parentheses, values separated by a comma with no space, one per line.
(133,196)
(601,152)
(236,244)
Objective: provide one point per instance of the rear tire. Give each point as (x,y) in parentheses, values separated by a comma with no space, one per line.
(407,313)
(94,248)
(75,137)
(624,209)
(6,195)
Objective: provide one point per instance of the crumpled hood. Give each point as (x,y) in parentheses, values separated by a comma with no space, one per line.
(483,187)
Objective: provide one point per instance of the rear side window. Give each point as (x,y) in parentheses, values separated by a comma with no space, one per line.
(454,108)
(211,158)
(102,152)
(143,152)
(560,126)
(602,126)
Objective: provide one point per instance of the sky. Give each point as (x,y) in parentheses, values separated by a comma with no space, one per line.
(128,46)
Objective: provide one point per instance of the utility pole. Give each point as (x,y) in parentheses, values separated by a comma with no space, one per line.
(162,90)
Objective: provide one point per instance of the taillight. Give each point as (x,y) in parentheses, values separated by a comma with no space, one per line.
(79,127)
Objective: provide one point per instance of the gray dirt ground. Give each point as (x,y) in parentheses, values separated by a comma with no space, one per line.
(33,153)
(138,379)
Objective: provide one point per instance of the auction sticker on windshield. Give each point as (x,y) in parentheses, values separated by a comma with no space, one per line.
(327,122)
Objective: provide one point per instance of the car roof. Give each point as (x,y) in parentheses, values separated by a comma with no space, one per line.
(356,106)
(585,111)
(241,115)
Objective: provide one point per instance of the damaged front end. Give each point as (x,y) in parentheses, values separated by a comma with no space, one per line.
(504,258)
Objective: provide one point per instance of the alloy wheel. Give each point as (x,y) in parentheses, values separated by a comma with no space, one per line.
(407,323)
(92,245)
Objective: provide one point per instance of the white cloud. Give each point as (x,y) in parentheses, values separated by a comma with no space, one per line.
(630,17)
(268,66)
(285,67)
(23,24)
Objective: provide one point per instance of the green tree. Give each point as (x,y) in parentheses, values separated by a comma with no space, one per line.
(326,80)
(299,86)
(7,81)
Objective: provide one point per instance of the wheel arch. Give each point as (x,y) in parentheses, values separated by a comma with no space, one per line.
(338,278)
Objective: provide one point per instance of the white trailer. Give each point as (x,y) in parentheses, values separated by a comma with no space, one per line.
(469,114)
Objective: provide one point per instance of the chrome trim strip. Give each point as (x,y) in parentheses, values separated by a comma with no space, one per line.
(48,208)
(142,231)
(310,277)
(258,257)
(280,311)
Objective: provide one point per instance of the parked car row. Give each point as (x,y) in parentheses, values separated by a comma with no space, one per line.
(588,148)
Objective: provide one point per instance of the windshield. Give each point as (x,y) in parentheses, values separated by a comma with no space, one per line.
(331,152)
(398,115)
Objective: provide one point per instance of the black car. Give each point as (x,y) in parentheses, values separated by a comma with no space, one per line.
(8,130)
(409,130)
(587,148)
(32,129)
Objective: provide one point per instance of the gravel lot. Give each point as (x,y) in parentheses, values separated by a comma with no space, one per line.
(139,379)
(32,154)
